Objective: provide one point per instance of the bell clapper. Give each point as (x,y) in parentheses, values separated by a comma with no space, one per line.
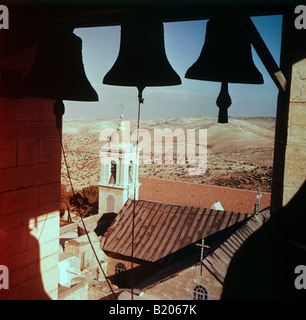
(140,98)
(59,110)
(223,102)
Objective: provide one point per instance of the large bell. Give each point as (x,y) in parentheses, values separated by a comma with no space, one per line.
(226,57)
(58,70)
(142,59)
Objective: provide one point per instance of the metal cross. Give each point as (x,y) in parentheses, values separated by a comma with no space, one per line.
(202,245)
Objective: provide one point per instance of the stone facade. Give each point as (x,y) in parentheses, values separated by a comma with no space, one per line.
(112,262)
(141,270)
(289,170)
(181,286)
(81,249)
(115,194)
(295,157)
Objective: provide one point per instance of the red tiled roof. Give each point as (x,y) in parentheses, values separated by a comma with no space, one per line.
(200,195)
(162,228)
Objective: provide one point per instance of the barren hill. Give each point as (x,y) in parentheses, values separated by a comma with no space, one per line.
(239,154)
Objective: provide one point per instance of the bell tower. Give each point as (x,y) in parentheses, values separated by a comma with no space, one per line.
(119,170)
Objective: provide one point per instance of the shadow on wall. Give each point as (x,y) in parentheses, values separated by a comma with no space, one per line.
(265,265)
(132,277)
(27,260)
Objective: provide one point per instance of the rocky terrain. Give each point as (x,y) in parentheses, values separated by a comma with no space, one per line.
(239,154)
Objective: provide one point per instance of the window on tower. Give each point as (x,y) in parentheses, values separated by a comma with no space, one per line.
(131,172)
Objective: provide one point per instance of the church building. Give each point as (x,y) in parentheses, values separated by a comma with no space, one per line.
(149,241)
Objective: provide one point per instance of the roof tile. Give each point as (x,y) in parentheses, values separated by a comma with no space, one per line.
(162,228)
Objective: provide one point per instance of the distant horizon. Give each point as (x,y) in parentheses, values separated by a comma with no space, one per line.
(127,119)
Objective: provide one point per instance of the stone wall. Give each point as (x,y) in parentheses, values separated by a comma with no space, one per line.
(180,287)
(30,173)
(289,169)
(81,248)
(119,194)
(295,157)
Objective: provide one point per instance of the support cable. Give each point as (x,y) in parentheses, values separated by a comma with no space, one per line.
(140,100)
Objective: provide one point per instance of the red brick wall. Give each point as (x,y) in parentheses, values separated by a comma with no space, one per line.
(30,172)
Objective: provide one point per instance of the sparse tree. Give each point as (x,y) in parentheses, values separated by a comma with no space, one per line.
(86,200)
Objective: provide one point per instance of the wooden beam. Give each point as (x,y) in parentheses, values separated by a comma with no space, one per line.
(262,50)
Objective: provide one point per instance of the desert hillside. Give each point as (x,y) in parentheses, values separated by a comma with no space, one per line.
(239,154)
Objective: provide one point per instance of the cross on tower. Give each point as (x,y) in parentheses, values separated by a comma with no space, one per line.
(122,107)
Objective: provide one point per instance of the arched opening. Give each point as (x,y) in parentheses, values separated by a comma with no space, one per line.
(113,172)
(131,172)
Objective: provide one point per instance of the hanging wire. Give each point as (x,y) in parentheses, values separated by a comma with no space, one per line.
(140,100)
(59,109)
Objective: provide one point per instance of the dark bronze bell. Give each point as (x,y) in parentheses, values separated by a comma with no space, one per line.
(142,59)
(226,57)
(58,70)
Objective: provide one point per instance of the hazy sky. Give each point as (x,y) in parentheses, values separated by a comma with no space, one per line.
(193,98)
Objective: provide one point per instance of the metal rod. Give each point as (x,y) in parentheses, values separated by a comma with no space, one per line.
(262,50)
(140,100)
